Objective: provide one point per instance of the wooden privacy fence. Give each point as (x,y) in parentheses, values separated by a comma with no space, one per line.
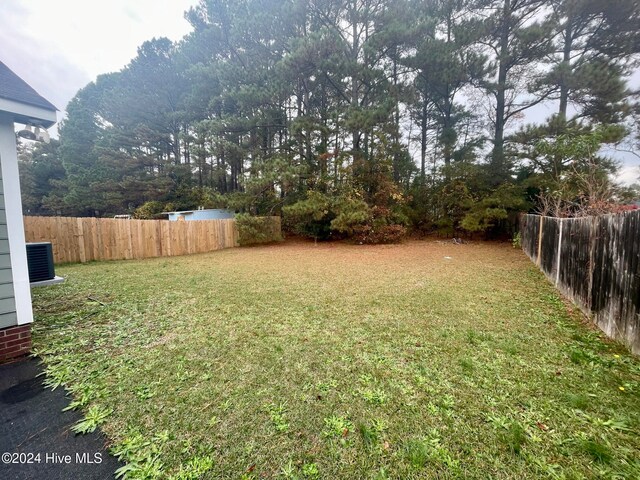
(87,239)
(595,262)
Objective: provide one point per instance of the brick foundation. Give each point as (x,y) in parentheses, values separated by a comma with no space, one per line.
(14,342)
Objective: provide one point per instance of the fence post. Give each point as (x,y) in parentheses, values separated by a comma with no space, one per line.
(538,258)
(559,253)
(593,233)
(81,247)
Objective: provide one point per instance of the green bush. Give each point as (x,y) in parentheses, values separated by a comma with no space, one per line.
(150,211)
(494,209)
(254,230)
(517,240)
(311,217)
(347,215)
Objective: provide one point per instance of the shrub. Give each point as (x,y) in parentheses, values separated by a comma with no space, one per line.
(149,210)
(351,213)
(383,234)
(494,209)
(253,230)
(311,217)
(517,240)
(345,216)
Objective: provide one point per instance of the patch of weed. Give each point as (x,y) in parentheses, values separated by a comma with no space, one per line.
(514,437)
(337,427)
(95,416)
(597,450)
(278,416)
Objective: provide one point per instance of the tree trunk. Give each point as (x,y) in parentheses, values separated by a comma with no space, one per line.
(447,150)
(423,138)
(566,68)
(355,48)
(396,119)
(498,160)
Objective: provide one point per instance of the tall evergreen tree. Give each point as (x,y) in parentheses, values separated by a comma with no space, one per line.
(444,64)
(42,178)
(517,36)
(268,104)
(595,43)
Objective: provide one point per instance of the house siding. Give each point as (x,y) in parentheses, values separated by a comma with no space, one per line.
(8,315)
(19,103)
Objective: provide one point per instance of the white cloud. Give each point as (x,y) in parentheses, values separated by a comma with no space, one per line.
(629,174)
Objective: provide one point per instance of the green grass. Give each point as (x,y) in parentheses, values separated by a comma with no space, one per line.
(340,362)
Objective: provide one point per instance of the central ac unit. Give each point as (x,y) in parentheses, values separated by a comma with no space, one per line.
(40,262)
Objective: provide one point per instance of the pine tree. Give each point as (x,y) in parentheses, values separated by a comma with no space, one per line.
(594,44)
(517,36)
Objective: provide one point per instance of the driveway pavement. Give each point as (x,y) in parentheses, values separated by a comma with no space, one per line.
(36,441)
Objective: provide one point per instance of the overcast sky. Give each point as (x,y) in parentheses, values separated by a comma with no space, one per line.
(59,46)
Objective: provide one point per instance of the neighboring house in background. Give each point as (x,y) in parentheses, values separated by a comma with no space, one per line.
(203,214)
(19,103)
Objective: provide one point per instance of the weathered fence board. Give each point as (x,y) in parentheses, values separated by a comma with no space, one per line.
(595,261)
(87,239)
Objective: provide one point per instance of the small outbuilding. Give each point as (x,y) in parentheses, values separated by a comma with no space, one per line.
(202,214)
(19,103)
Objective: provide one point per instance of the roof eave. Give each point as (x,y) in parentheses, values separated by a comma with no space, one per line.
(26,113)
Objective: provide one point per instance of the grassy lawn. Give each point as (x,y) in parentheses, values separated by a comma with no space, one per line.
(341,362)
